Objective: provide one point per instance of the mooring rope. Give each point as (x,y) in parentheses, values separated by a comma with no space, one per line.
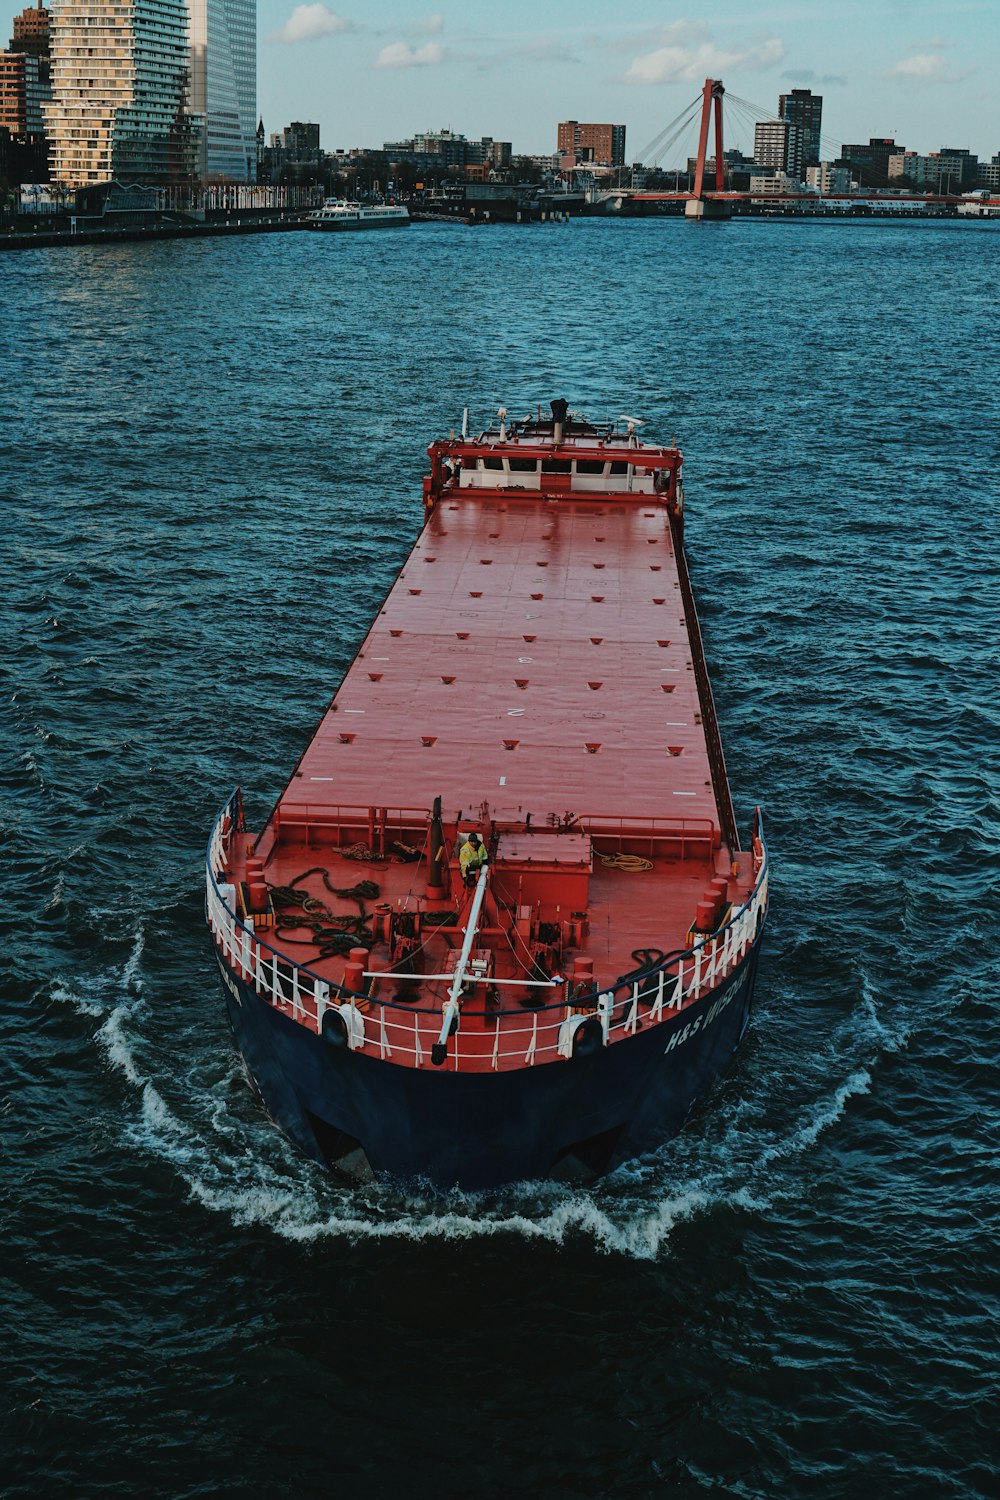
(332,934)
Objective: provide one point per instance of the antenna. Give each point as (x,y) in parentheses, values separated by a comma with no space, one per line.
(465,422)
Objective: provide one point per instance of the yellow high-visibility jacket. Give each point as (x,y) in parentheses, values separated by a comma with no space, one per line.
(471,856)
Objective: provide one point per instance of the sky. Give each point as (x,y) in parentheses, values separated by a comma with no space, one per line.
(924,73)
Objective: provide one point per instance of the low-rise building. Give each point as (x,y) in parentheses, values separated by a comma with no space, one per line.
(944,171)
(827,178)
(774,185)
(870,163)
(604,145)
(436,149)
(988,175)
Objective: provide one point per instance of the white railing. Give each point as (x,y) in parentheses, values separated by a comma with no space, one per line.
(484,1040)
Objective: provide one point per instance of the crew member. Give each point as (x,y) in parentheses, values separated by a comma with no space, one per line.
(471,858)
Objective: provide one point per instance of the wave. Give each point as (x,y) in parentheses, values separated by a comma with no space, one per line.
(739,1157)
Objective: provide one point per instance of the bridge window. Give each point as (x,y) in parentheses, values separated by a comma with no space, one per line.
(556,466)
(523,466)
(491,463)
(618,468)
(590,466)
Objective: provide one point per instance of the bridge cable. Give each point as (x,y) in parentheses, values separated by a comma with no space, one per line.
(660,143)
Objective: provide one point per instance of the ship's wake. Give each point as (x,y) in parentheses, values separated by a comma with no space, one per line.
(750,1147)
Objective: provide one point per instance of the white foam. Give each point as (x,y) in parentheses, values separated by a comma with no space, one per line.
(233,1160)
(821,1115)
(118,1046)
(634,1230)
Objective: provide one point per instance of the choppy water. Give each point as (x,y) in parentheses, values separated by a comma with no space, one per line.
(210,457)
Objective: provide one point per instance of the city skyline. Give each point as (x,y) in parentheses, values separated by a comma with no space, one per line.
(365,76)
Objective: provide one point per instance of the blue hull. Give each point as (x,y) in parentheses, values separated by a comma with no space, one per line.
(572,1118)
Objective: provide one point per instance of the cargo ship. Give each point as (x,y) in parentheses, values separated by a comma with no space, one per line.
(499,925)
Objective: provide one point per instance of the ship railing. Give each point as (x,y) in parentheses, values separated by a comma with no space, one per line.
(345,825)
(652,836)
(486,1039)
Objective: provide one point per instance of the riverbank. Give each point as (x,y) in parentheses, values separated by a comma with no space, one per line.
(35,239)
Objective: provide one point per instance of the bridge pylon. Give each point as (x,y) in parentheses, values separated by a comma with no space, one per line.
(702,205)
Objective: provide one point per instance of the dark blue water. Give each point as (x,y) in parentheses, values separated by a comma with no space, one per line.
(210,458)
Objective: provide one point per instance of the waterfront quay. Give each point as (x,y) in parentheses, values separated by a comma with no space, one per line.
(32,234)
(71,233)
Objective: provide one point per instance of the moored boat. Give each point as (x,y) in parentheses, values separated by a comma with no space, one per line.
(553,996)
(342,213)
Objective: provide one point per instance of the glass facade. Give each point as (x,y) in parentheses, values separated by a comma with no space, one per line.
(224,87)
(120,92)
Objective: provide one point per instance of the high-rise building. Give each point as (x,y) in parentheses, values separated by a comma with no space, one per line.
(31,31)
(119,92)
(224,86)
(804,112)
(601,144)
(20,94)
(777,144)
(31,40)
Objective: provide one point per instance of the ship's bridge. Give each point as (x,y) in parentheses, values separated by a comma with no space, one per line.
(554,459)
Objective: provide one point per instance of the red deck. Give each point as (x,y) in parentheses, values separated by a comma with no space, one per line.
(518,635)
(533,667)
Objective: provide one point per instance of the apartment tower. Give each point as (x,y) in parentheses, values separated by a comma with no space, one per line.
(120,89)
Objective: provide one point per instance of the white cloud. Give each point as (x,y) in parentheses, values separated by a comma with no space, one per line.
(431,25)
(308,22)
(629,39)
(928,67)
(402,55)
(676,64)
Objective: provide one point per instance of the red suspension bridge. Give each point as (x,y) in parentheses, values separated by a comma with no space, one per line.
(709,197)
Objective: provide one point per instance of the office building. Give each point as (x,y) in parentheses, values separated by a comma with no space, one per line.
(119,92)
(959,165)
(870,163)
(950,170)
(988,174)
(224,87)
(604,145)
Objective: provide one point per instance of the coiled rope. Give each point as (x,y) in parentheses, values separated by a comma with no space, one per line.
(332,934)
(634,863)
(406,854)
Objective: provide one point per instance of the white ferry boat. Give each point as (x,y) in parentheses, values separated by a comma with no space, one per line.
(341,213)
